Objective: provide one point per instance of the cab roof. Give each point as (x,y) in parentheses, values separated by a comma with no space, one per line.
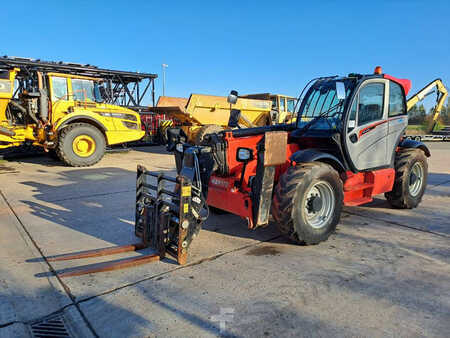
(405,83)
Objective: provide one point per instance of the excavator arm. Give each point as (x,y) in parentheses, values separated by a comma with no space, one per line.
(425,91)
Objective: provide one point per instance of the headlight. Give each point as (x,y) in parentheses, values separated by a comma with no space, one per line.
(130,125)
(244,154)
(179,147)
(130,117)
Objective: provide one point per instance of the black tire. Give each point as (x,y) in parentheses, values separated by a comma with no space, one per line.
(205,130)
(404,194)
(65,145)
(292,195)
(52,153)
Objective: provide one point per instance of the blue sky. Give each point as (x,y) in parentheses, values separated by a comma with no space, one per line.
(251,46)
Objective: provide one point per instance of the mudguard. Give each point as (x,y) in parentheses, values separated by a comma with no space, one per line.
(311,155)
(405,143)
(80,118)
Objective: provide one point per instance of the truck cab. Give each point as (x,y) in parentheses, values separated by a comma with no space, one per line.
(282,106)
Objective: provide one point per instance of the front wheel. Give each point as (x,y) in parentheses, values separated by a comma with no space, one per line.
(81,145)
(411,171)
(307,202)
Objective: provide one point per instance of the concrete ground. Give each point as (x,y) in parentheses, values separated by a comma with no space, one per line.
(385,272)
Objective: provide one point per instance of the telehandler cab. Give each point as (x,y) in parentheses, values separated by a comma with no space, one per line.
(346,147)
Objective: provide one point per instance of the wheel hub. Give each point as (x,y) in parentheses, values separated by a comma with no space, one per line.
(83,145)
(314,203)
(416,177)
(412,178)
(319,204)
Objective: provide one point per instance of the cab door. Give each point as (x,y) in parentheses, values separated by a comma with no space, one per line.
(367,127)
(282,115)
(60,97)
(397,116)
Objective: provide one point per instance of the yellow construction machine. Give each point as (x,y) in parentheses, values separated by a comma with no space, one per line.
(441,91)
(205,114)
(71,109)
(282,106)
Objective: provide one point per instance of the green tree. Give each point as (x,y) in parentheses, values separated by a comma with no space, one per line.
(422,111)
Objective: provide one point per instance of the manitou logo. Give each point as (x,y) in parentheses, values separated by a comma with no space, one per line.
(219,183)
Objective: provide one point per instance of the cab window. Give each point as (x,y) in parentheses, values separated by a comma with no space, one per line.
(371,103)
(59,88)
(396,103)
(282,104)
(352,117)
(290,105)
(83,90)
(274,102)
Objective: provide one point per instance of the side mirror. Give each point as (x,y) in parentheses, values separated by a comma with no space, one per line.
(232,98)
(244,155)
(340,90)
(233,121)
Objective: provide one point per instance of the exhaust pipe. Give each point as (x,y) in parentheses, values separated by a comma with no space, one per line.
(7,132)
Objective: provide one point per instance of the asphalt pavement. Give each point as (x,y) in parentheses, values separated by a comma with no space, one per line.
(385,272)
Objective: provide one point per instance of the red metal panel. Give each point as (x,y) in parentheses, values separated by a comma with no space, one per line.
(222,192)
(223,195)
(383,180)
(361,187)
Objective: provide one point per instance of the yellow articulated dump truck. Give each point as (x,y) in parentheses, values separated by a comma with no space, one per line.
(71,109)
(205,114)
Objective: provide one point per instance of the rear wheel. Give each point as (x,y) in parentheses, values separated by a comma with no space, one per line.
(411,171)
(307,202)
(205,130)
(81,145)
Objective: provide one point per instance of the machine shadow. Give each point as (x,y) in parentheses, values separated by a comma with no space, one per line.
(150,149)
(98,204)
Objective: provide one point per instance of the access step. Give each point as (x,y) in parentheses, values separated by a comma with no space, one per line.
(358,187)
(358,201)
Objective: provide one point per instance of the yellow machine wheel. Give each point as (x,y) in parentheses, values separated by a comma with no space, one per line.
(83,146)
(80,145)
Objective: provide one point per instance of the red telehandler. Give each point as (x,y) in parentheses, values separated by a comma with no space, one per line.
(346,146)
